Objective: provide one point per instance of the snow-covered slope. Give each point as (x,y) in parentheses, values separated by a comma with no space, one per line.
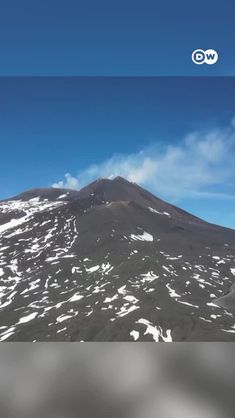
(112,262)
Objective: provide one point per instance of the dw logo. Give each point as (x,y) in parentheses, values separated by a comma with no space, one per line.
(210,56)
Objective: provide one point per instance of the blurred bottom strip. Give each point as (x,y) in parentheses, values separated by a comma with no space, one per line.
(117,380)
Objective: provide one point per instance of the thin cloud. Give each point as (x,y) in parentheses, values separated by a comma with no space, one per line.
(197,166)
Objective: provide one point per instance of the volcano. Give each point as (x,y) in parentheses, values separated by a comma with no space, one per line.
(112,262)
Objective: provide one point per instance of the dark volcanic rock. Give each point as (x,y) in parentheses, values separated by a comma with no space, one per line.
(112,262)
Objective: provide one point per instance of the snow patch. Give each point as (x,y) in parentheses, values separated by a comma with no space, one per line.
(159,213)
(135,335)
(144,237)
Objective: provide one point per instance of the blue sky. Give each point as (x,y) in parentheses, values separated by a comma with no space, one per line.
(175,136)
(114,37)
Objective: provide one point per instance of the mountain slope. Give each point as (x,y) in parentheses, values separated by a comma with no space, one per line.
(112,262)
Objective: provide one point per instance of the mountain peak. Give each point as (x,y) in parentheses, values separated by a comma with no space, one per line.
(116,189)
(121,179)
(106,190)
(109,180)
(112,262)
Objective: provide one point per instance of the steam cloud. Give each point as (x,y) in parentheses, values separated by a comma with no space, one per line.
(195,167)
